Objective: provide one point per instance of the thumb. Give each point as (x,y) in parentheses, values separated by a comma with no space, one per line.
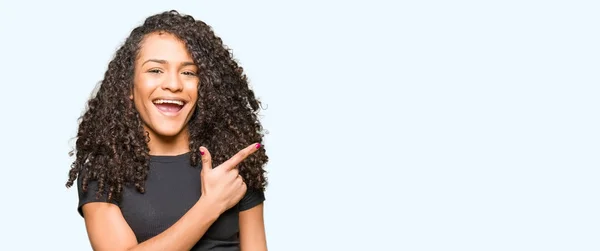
(206,159)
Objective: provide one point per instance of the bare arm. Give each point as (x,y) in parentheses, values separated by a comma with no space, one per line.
(222,188)
(108,230)
(252,229)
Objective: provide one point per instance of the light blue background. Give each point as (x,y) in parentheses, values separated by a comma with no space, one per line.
(399,125)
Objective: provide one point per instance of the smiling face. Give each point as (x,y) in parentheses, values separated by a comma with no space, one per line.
(165,86)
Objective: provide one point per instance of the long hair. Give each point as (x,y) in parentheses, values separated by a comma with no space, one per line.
(111,146)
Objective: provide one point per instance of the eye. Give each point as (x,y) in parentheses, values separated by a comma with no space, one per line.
(155,71)
(189,73)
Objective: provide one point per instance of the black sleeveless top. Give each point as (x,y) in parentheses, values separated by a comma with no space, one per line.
(172,188)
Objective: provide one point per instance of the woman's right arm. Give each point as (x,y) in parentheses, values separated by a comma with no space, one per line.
(222,188)
(108,230)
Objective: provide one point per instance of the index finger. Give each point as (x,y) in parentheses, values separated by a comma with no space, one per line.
(240,156)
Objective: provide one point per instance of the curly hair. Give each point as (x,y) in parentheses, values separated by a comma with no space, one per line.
(111,146)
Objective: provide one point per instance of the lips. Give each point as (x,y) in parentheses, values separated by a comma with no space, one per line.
(169,106)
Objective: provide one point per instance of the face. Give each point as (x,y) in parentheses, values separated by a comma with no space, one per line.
(165,88)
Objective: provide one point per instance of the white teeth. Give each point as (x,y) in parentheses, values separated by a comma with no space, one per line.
(163,101)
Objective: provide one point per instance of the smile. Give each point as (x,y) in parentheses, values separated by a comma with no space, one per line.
(169,107)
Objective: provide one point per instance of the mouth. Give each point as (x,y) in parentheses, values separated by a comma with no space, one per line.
(169,106)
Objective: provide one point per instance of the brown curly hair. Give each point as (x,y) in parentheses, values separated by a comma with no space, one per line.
(111,146)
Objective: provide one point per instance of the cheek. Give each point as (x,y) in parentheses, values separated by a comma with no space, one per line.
(143,86)
(137,101)
(192,90)
(140,92)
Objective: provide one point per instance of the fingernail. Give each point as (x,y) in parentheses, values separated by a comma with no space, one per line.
(257,145)
(201,152)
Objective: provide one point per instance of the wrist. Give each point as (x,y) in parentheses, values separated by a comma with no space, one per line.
(210,206)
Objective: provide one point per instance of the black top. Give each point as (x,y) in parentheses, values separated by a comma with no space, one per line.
(172,188)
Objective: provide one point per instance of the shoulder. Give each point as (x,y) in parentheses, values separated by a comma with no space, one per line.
(88,192)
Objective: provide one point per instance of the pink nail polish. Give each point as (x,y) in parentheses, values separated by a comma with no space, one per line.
(201,152)
(257,145)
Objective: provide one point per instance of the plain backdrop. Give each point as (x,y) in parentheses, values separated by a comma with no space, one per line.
(393,125)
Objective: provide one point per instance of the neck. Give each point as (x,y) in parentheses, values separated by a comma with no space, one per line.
(169,145)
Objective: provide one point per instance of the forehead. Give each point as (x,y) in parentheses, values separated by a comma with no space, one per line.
(163,46)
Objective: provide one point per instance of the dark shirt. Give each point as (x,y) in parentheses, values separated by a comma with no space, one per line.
(172,188)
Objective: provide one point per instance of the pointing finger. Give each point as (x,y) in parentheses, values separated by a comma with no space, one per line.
(240,156)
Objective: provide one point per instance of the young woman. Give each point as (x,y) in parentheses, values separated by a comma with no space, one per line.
(168,152)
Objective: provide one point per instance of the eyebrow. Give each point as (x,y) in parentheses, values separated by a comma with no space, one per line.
(161,61)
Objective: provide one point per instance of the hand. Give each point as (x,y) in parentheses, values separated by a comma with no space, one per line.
(223,185)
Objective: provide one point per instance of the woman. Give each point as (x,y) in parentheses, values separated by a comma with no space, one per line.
(168,153)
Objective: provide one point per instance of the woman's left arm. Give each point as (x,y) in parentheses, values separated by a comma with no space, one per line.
(252,229)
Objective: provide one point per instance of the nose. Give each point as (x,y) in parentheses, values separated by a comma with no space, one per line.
(172,83)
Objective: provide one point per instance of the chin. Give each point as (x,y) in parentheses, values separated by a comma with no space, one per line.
(168,130)
(165,124)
